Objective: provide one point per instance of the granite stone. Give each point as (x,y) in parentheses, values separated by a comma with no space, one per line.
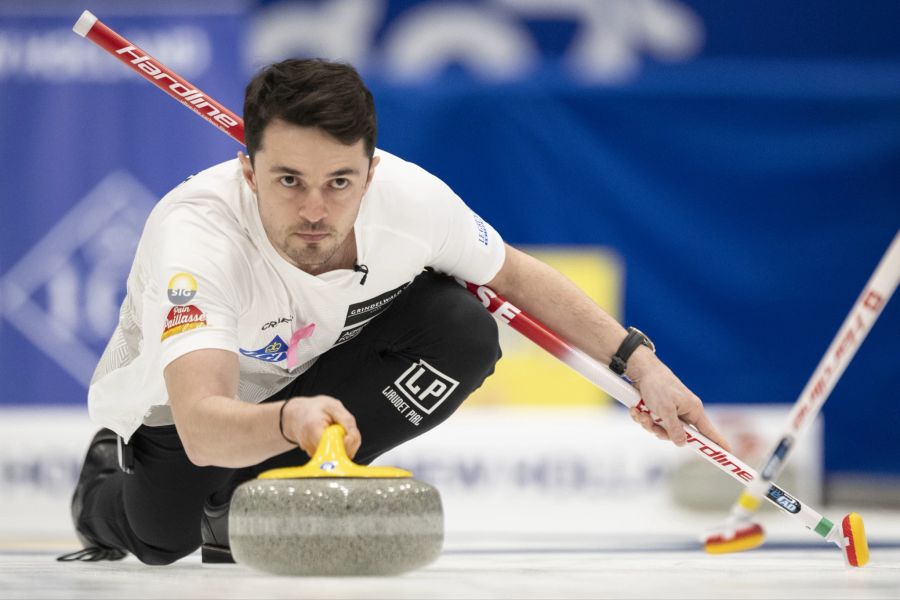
(336,526)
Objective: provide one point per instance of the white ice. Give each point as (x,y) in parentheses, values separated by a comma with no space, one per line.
(638,558)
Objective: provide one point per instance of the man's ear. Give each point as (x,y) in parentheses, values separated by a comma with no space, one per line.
(372,164)
(247,169)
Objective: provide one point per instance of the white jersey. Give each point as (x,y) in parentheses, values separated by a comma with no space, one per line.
(205,275)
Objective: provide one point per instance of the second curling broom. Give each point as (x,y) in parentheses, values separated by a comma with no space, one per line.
(741,532)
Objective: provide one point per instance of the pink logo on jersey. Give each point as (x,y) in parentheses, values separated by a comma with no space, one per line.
(301,334)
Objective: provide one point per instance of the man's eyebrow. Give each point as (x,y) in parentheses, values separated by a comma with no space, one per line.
(344,171)
(291,171)
(283,169)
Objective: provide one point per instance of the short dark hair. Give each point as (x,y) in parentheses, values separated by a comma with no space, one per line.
(310,93)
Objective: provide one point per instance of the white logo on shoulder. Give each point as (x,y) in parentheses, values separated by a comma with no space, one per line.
(425,386)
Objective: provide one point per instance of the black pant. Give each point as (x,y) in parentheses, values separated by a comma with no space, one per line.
(407,371)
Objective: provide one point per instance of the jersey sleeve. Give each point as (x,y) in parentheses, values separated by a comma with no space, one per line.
(465,245)
(194,297)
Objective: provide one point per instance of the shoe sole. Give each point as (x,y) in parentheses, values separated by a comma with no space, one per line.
(210,554)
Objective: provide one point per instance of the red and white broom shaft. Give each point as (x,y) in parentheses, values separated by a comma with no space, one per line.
(625,393)
(155,72)
(849,338)
(144,64)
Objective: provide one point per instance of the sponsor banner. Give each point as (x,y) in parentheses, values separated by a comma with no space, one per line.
(618,123)
(492,41)
(527,374)
(41,451)
(569,469)
(116,146)
(498,469)
(67,287)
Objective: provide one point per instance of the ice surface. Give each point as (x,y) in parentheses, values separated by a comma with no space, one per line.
(636,562)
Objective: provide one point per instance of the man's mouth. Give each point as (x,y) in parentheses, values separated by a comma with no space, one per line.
(311,237)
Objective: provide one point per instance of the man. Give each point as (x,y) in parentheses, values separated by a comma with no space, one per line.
(281,292)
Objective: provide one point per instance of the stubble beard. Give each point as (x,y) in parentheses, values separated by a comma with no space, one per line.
(313,256)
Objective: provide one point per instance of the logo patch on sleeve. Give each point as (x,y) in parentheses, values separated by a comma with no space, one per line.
(183,318)
(274,351)
(182,288)
(482,230)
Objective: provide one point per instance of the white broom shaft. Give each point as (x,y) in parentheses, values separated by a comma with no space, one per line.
(875,295)
(849,338)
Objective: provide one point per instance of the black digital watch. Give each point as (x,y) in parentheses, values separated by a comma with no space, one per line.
(631,342)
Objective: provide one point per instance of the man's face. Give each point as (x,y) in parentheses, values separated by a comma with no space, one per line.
(309,188)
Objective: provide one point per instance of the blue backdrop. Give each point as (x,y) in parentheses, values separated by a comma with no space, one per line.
(743,161)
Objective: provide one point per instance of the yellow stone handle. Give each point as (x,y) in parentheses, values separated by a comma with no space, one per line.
(331,460)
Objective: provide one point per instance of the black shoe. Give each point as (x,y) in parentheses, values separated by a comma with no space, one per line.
(101,461)
(214,533)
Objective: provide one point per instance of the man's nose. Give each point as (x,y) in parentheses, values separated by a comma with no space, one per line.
(313,207)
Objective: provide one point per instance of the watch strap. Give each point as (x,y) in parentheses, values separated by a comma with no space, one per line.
(632,341)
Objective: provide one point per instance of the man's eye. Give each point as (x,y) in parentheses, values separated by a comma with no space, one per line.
(289,181)
(340,183)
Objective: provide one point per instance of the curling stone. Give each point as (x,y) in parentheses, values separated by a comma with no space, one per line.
(334,517)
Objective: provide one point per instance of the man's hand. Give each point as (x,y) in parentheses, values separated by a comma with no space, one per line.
(305,420)
(670,400)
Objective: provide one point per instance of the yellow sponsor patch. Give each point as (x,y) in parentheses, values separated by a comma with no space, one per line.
(182,288)
(181,319)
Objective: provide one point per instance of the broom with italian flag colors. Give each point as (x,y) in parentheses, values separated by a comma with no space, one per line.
(741,532)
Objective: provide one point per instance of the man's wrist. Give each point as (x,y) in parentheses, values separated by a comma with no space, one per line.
(281,425)
(642,360)
(633,340)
